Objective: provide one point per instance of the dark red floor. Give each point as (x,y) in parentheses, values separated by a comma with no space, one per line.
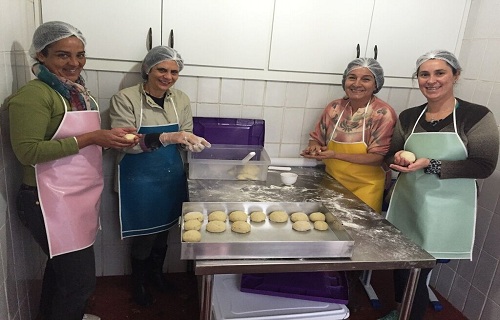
(112,301)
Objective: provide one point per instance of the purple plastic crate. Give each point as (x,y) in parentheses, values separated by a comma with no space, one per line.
(328,287)
(232,131)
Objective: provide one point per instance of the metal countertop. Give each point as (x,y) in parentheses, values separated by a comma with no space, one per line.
(377,244)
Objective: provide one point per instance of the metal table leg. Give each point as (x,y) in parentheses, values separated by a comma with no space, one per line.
(206,296)
(411,287)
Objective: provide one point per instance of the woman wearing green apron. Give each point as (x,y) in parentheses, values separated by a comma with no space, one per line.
(353,134)
(434,200)
(152,183)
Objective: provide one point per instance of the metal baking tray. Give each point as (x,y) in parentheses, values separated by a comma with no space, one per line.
(266,240)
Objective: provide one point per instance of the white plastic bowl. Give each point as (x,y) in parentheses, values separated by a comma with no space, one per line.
(288,178)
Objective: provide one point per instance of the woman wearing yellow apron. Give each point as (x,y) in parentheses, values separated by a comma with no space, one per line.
(434,200)
(353,134)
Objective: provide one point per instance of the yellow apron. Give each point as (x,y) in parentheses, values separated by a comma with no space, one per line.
(365,181)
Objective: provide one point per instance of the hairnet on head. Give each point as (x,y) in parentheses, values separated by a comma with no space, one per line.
(50,32)
(157,55)
(440,55)
(372,65)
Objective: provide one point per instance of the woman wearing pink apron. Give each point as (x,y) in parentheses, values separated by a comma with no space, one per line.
(56,135)
(434,201)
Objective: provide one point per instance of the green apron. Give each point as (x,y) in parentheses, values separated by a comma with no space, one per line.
(437,214)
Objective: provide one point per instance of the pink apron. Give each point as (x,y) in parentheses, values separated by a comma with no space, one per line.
(70,188)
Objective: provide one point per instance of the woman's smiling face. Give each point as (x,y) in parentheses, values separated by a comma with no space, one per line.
(360,84)
(65,58)
(436,79)
(162,76)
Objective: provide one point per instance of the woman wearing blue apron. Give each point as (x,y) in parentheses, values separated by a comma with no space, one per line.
(434,200)
(152,182)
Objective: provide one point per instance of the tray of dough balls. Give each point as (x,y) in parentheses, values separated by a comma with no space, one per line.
(261,230)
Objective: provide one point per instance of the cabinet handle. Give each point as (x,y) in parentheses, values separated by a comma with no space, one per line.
(171,39)
(357,51)
(375,52)
(149,43)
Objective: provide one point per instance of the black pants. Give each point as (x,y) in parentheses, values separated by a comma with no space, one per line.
(143,245)
(421,299)
(69,279)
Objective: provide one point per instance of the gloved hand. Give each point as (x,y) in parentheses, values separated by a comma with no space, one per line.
(191,141)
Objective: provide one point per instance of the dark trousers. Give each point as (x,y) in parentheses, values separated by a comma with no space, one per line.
(143,245)
(69,279)
(421,299)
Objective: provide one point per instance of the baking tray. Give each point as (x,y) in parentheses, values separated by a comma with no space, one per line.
(266,240)
(326,286)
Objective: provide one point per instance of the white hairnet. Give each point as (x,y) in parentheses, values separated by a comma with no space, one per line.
(440,55)
(372,65)
(50,32)
(157,55)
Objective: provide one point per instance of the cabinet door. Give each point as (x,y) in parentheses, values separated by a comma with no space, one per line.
(114,29)
(220,33)
(318,36)
(404,30)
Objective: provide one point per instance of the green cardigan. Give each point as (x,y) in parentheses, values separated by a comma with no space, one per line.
(35,112)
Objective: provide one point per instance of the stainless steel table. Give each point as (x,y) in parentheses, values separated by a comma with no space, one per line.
(377,244)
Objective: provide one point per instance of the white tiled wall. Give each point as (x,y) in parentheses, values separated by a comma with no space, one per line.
(290,110)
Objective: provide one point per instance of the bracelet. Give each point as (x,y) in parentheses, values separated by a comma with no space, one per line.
(434,167)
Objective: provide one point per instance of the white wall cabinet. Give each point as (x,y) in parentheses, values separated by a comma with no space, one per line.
(321,36)
(283,40)
(114,29)
(220,33)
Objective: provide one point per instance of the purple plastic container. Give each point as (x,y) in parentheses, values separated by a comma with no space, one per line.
(328,287)
(231,131)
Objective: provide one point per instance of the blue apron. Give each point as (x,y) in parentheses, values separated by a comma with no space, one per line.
(152,187)
(437,214)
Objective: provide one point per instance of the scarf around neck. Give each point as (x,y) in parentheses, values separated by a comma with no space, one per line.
(75,92)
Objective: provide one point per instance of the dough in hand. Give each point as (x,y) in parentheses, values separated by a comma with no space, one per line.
(257,216)
(237,215)
(194,215)
(299,216)
(410,156)
(278,216)
(129,136)
(317,216)
(216,226)
(217,216)
(191,236)
(301,225)
(240,227)
(320,225)
(192,225)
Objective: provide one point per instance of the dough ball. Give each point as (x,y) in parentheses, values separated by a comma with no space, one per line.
(246,176)
(240,227)
(237,215)
(320,225)
(257,216)
(248,172)
(192,225)
(216,226)
(299,216)
(410,156)
(191,236)
(129,136)
(301,225)
(194,215)
(217,216)
(317,216)
(278,216)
